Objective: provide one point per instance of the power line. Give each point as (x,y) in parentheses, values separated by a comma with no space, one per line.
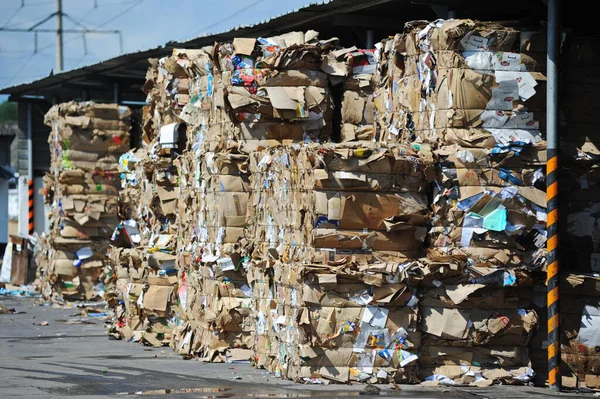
(20,69)
(119,15)
(24,76)
(15,13)
(29,21)
(39,3)
(82,29)
(98,26)
(101,5)
(111,19)
(91,10)
(238,12)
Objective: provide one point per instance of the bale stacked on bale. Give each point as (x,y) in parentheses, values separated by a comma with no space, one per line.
(137,290)
(336,228)
(475,92)
(143,270)
(244,96)
(309,256)
(357,106)
(213,311)
(85,144)
(463,82)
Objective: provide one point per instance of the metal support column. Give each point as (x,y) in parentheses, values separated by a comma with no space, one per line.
(59,36)
(30,214)
(370,39)
(552,273)
(117,93)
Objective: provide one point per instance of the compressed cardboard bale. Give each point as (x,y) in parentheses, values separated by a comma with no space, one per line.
(460,74)
(357,101)
(240,97)
(142,275)
(144,246)
(475,92)
(311,302)
(319,338)
(487,241)
(82,193)
(477,327)
(480,203)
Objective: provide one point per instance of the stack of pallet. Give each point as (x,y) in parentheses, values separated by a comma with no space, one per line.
(85,144)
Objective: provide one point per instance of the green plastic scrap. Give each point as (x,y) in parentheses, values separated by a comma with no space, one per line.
(495,220)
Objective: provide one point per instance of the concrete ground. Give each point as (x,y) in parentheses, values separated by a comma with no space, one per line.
(60,360)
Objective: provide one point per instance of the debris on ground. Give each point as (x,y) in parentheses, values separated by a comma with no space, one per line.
(370,390)
(5,310)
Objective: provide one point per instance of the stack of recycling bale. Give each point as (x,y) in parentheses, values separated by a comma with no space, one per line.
(143,269)
(213,314)
(391,123)
(85,144)
(469,89)
(244,96)
(125,273)
(338,227)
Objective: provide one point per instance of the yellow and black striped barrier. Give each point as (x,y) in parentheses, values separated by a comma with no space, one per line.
(552,271)
(30,207)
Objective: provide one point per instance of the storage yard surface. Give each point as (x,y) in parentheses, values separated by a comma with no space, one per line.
(77,360)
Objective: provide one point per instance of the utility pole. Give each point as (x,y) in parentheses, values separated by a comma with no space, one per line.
(552,240)
(59,36)
(59,31)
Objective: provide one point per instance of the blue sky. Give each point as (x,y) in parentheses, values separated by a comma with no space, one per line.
(144,24)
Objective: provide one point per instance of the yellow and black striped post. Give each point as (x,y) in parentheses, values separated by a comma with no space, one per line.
(552,267)
(30,206)
(552,271)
